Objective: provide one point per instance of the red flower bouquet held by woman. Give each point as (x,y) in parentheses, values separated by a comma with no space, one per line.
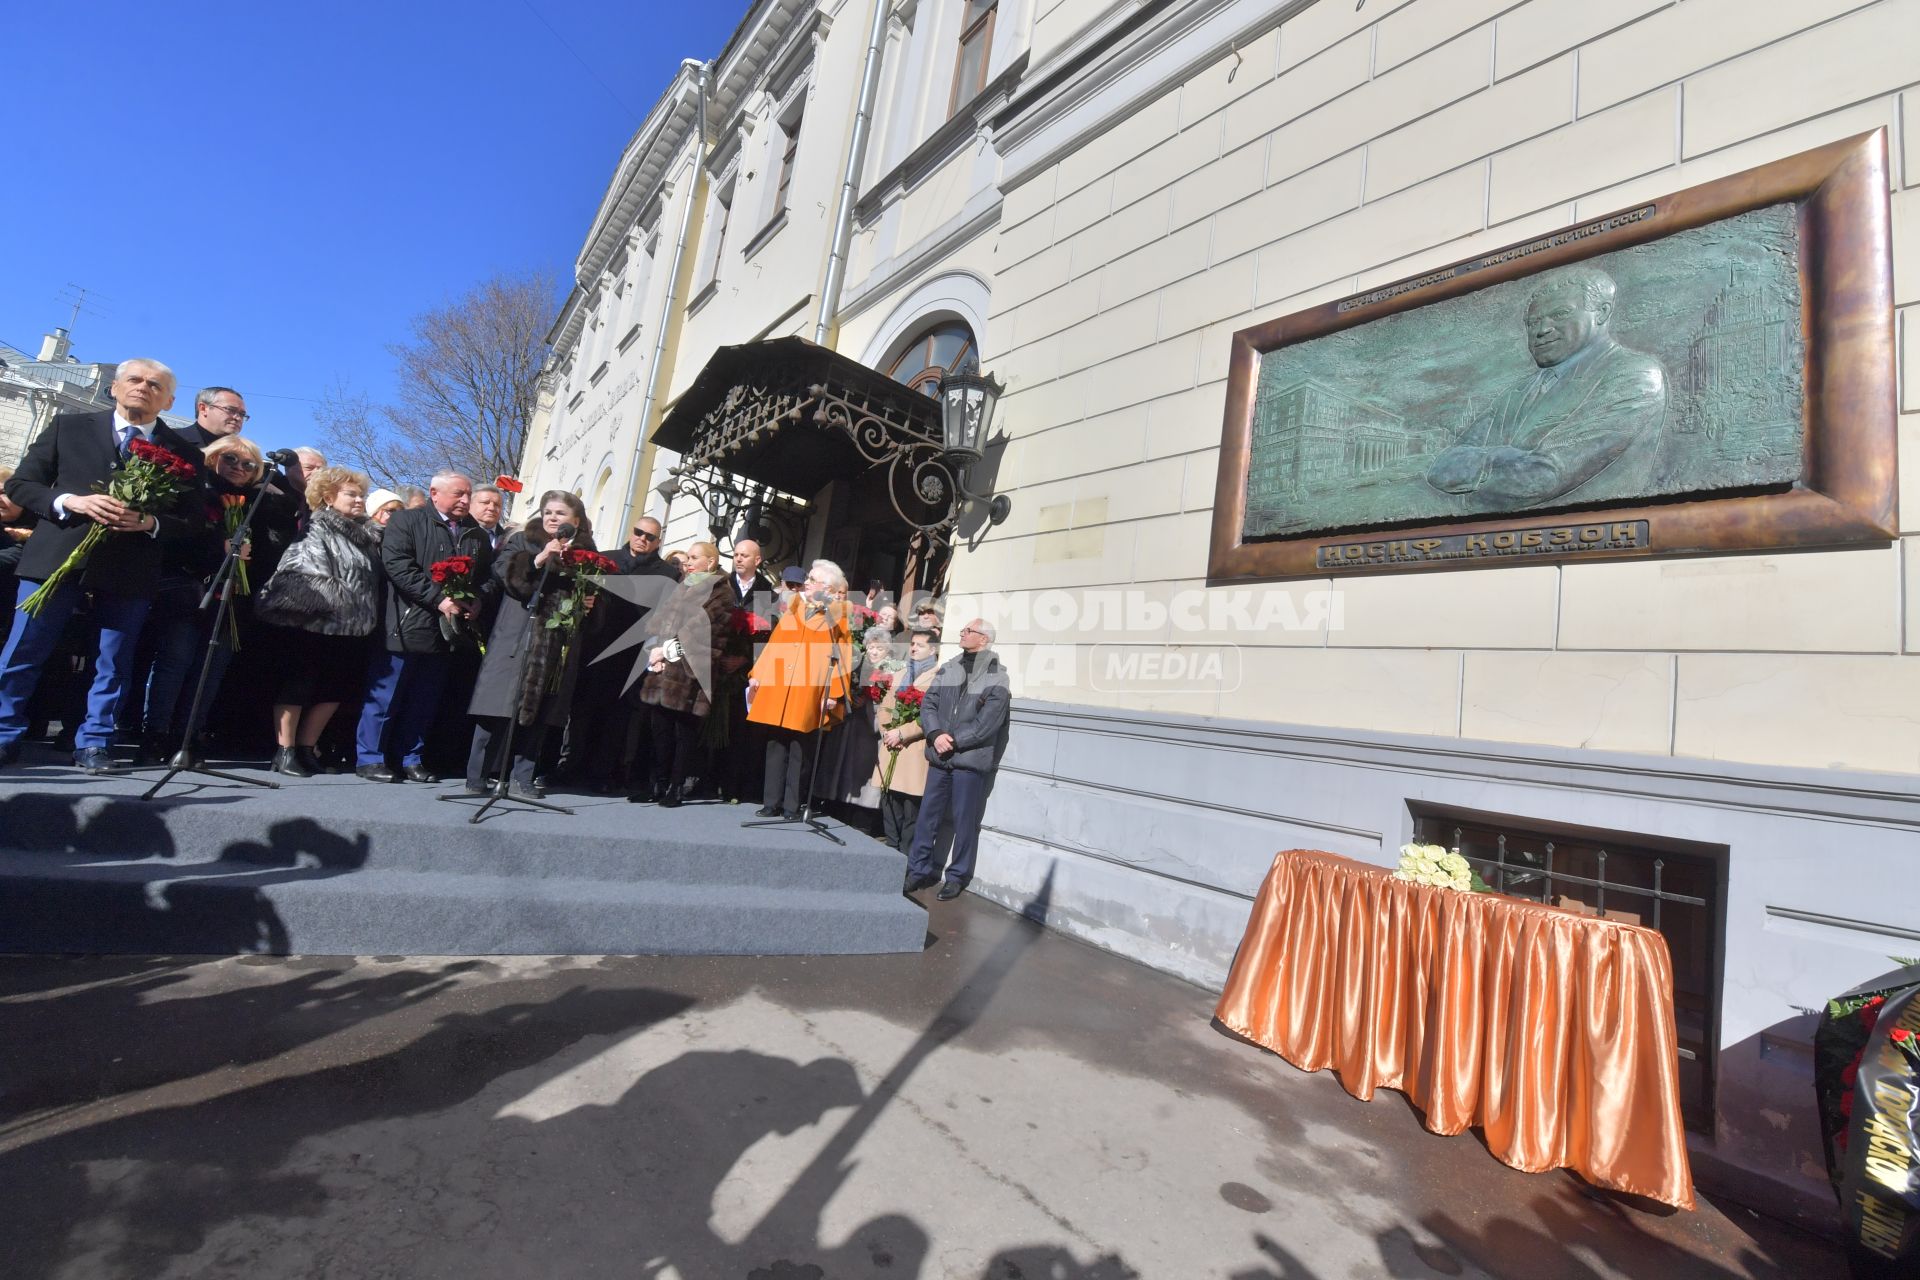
(148,480)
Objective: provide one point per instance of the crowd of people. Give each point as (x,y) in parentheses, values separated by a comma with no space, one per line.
(408,635)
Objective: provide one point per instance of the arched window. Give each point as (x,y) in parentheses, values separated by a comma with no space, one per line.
(944,348)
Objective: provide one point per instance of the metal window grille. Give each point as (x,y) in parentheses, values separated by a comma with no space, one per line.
(1676,893)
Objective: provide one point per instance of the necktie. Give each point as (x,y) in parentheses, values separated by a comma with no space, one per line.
(125,438)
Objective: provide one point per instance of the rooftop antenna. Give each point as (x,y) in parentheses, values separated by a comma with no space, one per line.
(78,297)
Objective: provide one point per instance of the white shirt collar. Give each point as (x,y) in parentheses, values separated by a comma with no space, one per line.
(120,424)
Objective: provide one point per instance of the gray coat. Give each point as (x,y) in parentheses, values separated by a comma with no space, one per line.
(329,581)
(974,708)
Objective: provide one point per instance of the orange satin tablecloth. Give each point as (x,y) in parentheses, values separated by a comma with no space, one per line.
(1551,1031)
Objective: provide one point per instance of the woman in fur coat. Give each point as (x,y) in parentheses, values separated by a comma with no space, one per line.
(539,700)
(326,588)
(686,656)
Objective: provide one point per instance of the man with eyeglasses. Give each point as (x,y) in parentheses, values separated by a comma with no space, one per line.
(217,412)
(964,720)
(603,732)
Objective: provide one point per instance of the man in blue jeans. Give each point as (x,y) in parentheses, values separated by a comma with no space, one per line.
(62,480)
(409,672)
(964,717)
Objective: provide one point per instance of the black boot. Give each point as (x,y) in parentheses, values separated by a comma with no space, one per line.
(287,760)
(309,758)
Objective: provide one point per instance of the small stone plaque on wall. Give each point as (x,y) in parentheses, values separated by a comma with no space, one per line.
(1708,372)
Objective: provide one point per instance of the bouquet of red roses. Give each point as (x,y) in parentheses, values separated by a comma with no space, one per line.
(587,568)
(148,480)
(906,710)
(455,578)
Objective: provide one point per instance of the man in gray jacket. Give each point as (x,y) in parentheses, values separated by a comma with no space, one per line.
(965,721)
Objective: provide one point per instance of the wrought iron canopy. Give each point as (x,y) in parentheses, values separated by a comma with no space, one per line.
(796,416)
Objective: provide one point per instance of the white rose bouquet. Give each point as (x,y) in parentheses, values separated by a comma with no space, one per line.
(1436,865)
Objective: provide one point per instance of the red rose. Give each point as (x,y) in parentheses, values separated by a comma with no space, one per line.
(912,696)
(1899,1035)
(1870,1012)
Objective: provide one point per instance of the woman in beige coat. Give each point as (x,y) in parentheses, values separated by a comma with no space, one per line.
(900,805)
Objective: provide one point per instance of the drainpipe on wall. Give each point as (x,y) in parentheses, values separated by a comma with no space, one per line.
(856,160)
(702,71)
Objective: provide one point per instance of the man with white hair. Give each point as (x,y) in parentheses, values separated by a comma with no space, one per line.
(409,672)
(964,721)
(62,479)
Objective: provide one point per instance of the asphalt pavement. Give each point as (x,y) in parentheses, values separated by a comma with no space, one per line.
(1007,1104)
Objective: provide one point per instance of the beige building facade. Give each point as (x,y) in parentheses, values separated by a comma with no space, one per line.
(1094,197)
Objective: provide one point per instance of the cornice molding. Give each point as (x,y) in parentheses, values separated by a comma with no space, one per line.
(1132,58)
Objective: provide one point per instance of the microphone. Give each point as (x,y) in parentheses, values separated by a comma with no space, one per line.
(567,531)
(285,457)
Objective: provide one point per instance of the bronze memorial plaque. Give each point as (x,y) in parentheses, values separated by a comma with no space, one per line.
(1708,372)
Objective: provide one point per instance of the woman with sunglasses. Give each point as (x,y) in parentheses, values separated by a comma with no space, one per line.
(176,627)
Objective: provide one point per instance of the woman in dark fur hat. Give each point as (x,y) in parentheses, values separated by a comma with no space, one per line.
(539,700)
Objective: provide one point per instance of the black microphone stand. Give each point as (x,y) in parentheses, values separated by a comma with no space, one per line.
(499,792)
(219,587)
(806,818)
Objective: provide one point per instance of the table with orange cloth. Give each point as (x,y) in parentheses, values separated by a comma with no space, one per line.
(1551,1031)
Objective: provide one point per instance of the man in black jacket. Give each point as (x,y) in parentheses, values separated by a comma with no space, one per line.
(603,732)
(60,480)
(964,719)
(409,672)
(745,755)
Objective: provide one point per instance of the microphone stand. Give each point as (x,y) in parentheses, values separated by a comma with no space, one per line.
(806,818)
(220,587)
(499,792)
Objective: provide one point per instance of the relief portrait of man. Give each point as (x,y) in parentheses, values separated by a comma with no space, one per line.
(1591,413)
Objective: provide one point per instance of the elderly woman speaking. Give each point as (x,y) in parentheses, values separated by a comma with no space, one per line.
(801,680)
(536,696)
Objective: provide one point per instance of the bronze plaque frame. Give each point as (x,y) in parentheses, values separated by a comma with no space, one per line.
(1850,491)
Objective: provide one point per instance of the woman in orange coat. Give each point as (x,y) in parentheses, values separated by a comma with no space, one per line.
(800,677)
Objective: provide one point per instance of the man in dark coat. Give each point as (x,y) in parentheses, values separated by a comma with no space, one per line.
(604,727)
(964,719)
(408,674)
(744,756)
(60,480)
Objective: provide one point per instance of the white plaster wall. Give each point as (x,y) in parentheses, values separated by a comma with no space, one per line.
(1346,149)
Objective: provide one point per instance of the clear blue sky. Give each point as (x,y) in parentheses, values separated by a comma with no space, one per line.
(264,194)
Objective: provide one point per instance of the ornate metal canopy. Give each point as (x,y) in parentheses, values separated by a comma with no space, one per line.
(794,416)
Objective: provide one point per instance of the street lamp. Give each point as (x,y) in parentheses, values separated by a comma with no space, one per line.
(967,402)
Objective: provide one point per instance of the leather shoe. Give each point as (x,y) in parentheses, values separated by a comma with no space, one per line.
(420,773)
(10,754)
(522,791)
(287,761)
(474,787)
(671,800)
(766,811)
(914,884)
(951,890)
(376,773)
(95,760)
